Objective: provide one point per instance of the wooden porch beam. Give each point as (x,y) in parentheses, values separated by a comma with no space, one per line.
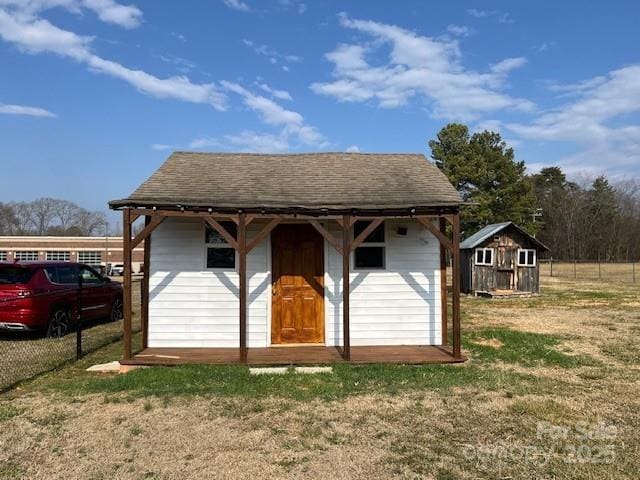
(144,288)
(346,286)
(149,226)
(333,241)
(223,231)
(444,306)
(455,296)
(266,230)
(242,290)
(126,283)
(442,238)
(365,233)
(353,220)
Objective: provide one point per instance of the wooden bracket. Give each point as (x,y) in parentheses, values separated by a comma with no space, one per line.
(352,220)
(335,243)
(266,230)
(222,231)
(365,233)
(149,227)
(426,223)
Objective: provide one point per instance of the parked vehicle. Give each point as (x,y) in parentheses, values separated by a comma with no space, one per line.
(48,296)
(116,269)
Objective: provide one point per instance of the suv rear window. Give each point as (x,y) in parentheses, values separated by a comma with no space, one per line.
(11,275)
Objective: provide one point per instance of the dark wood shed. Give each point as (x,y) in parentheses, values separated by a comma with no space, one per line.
(501,260)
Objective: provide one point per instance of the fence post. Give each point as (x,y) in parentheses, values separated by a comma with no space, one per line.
(79,326)
(551,265)
(575,270)
(599,271)
(633,270)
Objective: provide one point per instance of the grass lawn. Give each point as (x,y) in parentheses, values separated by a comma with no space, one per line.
(551,391)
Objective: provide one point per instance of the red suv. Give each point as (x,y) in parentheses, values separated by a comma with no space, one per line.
(48,296)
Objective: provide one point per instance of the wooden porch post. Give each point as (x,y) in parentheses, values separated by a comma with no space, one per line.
(346,251)
(126,282)
(443,284)
(144,287)
(242,293)
(456,285)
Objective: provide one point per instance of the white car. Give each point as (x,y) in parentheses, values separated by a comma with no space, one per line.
(117,269)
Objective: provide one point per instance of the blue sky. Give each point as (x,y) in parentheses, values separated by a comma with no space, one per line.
(95,94)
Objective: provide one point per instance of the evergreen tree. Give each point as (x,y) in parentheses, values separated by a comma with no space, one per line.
(484,170)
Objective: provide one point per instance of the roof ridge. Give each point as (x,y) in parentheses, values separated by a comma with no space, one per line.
(256,154)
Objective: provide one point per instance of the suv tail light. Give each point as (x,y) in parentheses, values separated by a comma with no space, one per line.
(25,293)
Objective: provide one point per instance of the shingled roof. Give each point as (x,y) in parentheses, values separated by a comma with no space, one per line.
(306,182)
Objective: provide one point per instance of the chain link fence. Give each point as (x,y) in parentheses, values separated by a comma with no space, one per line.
(626,272)
(25,355)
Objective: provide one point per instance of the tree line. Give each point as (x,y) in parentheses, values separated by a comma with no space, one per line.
(50,216)
(585,219)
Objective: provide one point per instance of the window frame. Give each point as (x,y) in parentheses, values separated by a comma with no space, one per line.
(527,264)
(4,255)
(57,254)
(366,244)
(484,262)
(84,252)
(17,253)
(223,244)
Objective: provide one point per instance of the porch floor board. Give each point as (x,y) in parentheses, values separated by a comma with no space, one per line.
(303,355)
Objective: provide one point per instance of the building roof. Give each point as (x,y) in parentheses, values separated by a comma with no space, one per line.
(490,230)
(309,181)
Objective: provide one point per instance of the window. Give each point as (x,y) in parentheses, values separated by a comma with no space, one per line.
(3,256)
(58,256)
(219,254)
(371,253)
(90,258)
(484,256)
(63,275)
(26,256)
(90,277)
(15,274)
(526,257)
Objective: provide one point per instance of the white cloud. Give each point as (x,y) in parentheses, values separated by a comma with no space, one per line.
(36,35)
(237,5)
(109,11)
(271,54)
(275,93)
(162,146)
(459,30)
(502,17)
(126,16)
(353,149)
(591,119)
(417,66)
(7,109)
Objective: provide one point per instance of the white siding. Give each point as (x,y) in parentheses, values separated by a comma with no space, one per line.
(396,306)
(191,306)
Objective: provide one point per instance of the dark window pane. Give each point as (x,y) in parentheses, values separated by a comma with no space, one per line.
(523,258)
(369,257)
(530,259)
(67,275)
(15,274)
(212,235)
(221,258)
(479,256)
(90,277)
(376,236)
(488,254)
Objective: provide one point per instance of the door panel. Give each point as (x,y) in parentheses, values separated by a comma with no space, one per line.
(297,314)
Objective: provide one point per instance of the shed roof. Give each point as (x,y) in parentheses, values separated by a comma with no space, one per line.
(490,230)
(309,181)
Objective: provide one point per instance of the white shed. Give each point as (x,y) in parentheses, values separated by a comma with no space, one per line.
(249,253)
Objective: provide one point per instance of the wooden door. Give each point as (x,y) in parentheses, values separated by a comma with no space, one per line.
(297,312)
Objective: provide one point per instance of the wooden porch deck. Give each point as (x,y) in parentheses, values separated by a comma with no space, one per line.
(303,355)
